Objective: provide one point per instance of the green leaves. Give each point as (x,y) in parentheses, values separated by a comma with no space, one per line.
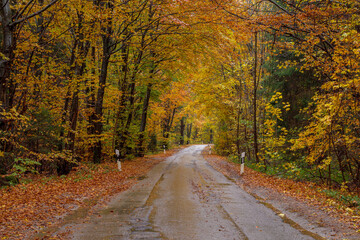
(24,165)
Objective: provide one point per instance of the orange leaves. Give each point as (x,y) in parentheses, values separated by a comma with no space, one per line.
(28,208)
(306,192)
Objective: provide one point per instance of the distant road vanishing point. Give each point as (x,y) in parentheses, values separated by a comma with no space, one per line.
(185,198)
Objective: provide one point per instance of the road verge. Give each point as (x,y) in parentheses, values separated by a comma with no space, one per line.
(301,202)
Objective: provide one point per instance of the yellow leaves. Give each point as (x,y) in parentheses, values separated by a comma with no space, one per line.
(326,120)
(287,64)
(291,167)
(331,202)
(325,163)
(272,110)
(356,51)
(3,57)
(287,107)
(277,96)
(274,134)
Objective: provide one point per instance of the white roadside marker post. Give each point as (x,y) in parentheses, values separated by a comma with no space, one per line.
(117,153)
(210,150)
(164,148)
(242,163)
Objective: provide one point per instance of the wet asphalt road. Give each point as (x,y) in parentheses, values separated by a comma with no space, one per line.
(185,198)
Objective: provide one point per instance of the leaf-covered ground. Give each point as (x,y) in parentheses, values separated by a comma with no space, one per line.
(28,209)
(305,197)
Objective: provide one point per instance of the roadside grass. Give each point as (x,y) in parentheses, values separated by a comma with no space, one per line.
(339,197)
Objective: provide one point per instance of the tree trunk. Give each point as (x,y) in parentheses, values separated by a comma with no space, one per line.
(6,86)
(98,113)
(256,150)
(8,47)
(123,85)
(90,99)
(74,110)
(131,99)
(182,131)
(188,133)
(168,124)
(238,133)
(141,150)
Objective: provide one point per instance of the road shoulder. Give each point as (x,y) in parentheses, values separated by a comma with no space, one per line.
(306,213)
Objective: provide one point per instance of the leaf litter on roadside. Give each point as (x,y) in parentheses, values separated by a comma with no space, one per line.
(27,209)
(307,192)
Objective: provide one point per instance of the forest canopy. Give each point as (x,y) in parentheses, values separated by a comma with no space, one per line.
(277,79)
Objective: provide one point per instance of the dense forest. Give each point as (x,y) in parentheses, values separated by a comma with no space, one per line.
(277,79)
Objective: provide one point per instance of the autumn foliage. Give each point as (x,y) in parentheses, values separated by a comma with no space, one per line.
(39,207)
(276,79)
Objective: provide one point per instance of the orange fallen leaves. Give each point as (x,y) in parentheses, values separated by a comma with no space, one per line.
(26,209)
(307,192)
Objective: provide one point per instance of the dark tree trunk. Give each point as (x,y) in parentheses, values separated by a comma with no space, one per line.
(7,49)
(238,134)
(131,101)
(123,85)
(124,135)
(67,97)
(90,99)
(74,110)
(98,113)
(141,150)
(168,124)
(7,88)
(182,131)
(256,150)
(188,132)
(10,25)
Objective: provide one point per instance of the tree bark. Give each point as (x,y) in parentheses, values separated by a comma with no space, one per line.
(8,47)
(188,132)
(123,85)
(256,150)
(182,131)
(90,99)
(84,48)
(131,99)
(141,150)
(98,113)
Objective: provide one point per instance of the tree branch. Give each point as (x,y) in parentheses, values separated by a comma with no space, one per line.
(33,15)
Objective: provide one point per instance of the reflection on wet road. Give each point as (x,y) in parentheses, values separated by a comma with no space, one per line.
(184,198)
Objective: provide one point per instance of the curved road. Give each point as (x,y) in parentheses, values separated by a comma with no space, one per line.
(185,198)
